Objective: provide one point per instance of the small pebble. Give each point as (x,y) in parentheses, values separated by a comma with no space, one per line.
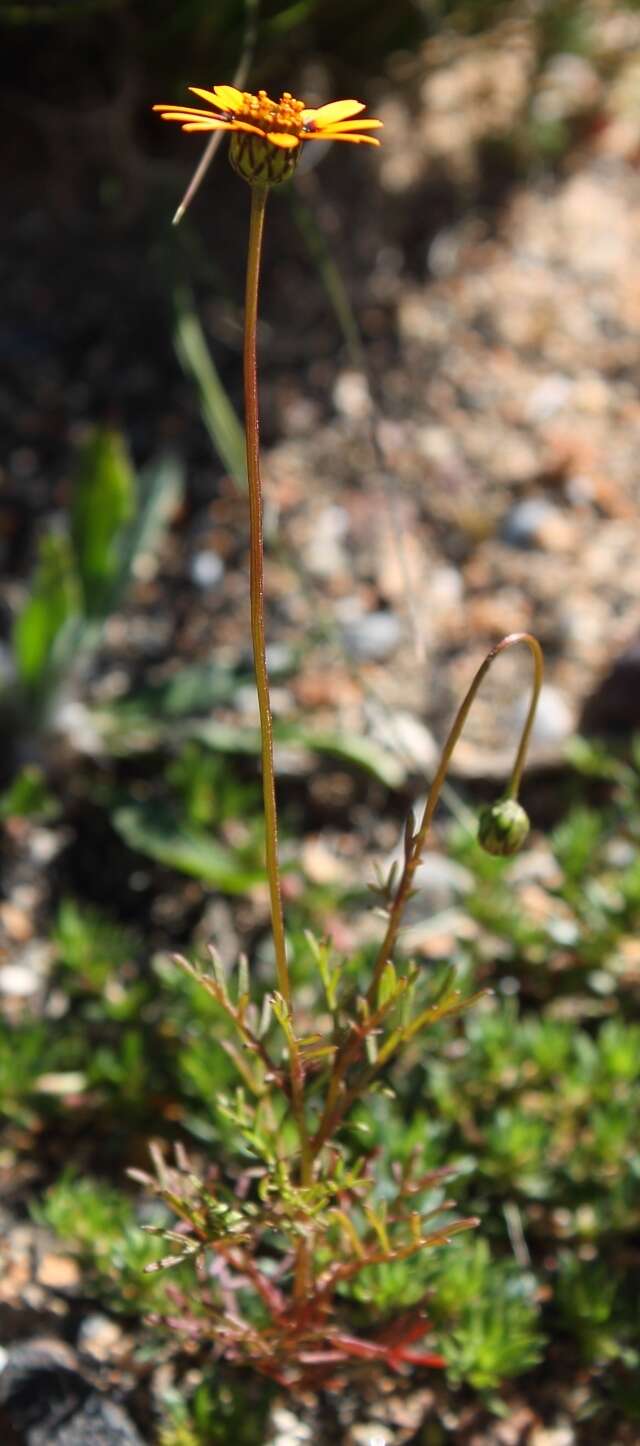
(18,980)
(411,739)
(287,1429)
(443,253)
(99,1337)
(438,883)
(568,85)
(45,843)
(16,923)
(351,395)
(58,1272)
(554,1436)
(549,397)
(554,721)
(369,1433)
(73,720)
(373,637)
(324,553)
(62,1082)
(525,524)
(281,658)
(206,569)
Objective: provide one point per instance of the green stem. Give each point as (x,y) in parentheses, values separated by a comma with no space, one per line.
(256,227)
(414,852)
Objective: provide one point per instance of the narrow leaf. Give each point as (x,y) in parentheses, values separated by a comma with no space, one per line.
(104,500)
(54,599)
(388,984)
(218,414)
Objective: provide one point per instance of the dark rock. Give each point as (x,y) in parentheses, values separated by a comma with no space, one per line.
(45,1401)
(39,1381)
(614,707)
(98,1422)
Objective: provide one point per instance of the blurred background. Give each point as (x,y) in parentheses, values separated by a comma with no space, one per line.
(451,428)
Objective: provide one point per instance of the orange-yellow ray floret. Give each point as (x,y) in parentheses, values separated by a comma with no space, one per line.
(225,95)
(173,106)
(340,136)
(203,120)
(205,125)
(199,118)
(357,140)
(227,125)
(217,100)
(280,138)
(187,112)
(354,125)
(336,110)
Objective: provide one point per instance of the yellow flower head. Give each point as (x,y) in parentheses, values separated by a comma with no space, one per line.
(268,134)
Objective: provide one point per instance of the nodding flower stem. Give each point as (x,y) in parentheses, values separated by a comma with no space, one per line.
(252,430)
(415,844)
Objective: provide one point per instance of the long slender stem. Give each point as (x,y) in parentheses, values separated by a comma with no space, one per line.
(414,853)
(256,227)
(303,1265)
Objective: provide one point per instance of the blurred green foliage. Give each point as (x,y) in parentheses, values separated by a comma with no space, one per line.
(102,505)
(28,796)
(53,602)
(214,1414)
(218,413)
(107,1239)
(82,575)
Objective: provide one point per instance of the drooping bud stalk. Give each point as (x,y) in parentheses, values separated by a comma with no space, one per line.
(506,821)
(503,827)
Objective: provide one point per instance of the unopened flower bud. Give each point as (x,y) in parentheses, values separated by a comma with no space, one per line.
(259,162)
(503,827)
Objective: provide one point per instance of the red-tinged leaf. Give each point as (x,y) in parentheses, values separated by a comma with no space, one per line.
(363,1350)
(186,1324)
(416,1358)
(319,1358)
(142,1178)
(404,1330)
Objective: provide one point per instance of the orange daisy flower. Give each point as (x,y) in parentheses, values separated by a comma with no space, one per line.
(268,134)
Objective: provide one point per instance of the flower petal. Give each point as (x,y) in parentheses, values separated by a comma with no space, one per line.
(209,95)
(340,136)
(174,111)
(336,110)
(205,125)
(280,138)
(238,125)
(353,125)
(229,97)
